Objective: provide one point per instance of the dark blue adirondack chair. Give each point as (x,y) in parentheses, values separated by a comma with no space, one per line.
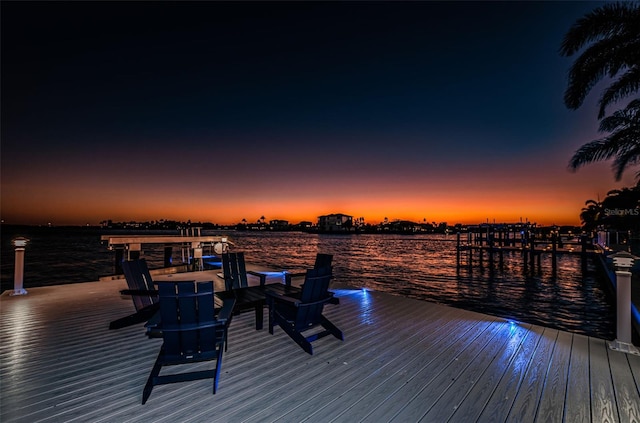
(191,332)
(235,271)
(304,312)
(142,292)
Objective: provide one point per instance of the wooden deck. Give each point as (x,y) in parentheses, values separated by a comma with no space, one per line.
(402,360)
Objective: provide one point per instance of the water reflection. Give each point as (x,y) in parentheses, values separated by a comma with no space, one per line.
(418,266)
(424,267)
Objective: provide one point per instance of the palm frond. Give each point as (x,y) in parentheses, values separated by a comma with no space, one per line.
(629,117)
(583,75)
(604,58)
(626,85)
(625,160)
(593,151)
(611,35)
(602,22)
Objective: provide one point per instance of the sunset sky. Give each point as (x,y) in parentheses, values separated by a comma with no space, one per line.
(218,112)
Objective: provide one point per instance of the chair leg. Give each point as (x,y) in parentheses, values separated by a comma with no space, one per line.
(331,328)
(150,381)
(135,318)
(272,322)
(298,338)
(218,369)
(259,316)
(226,334)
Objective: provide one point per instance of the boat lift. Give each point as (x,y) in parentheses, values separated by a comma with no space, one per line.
(191,243)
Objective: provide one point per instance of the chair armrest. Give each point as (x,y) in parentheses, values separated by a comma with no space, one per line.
(290,275)
(227,309)
(274,296)
(193,326)
(297,274)
(139,292)
(322,301)
(262,276)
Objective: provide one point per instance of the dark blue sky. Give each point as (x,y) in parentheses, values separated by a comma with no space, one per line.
(290,110)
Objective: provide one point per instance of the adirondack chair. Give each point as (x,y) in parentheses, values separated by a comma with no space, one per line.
(142,292)
(235,271)
(235,277)
(190,331)
(297,315)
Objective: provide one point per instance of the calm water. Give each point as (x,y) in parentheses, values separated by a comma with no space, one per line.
(419,266)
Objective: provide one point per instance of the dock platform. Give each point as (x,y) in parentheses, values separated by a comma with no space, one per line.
(402,360)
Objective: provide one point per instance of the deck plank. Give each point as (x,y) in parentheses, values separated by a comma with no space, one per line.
(623,384)
(397,356)
(504,394)
(401,358)
(365,393)
(471,407)
(578,399)
(551,404)
(525,406)
(603,407)
(490,362)
(403,400)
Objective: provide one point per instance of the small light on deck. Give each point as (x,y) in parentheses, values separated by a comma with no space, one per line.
(20,242)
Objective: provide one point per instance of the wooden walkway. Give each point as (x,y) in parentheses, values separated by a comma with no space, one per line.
(402,360)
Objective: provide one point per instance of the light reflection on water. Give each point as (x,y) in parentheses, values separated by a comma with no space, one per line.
(424,267)
(417,266)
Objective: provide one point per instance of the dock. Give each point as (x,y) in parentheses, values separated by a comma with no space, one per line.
(495,240)
(402,360)
(191,243)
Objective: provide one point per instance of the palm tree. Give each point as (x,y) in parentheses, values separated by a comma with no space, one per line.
(621,209)
(613,32)
(591,215)
(622,144)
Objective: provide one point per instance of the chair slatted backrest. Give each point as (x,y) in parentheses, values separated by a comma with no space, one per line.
(189,327)
(323,260)
(234,270)
(138,277)
(314,290)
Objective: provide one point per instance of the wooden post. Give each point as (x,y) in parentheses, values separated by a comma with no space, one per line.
(168,252)
(525,256)
(554,251)
(119,258)
(490,236)
(469,250)
(532,240)
(583,253)
(458,249)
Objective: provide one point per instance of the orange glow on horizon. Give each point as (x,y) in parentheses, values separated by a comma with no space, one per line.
(539,190)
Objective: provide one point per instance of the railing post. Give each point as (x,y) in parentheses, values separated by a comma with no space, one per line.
(623,262)
(18,277)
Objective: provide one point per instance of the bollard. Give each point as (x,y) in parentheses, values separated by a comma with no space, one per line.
(623,262)
(19,243)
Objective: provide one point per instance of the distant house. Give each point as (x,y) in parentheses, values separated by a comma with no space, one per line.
(278,225)
(335,223)
(305,224)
